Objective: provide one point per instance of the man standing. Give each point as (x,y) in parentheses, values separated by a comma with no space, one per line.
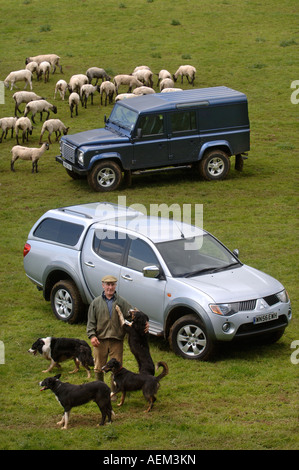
(103,327)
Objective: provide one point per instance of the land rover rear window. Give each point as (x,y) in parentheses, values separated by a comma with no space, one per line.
(183,121)
(59,231)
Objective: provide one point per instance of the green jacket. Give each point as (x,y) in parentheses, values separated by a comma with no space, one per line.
(100,324)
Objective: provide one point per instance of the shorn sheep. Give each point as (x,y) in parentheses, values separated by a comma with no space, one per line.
(129,80)
(163,74)
(53,125)
(166,83)
(61,87)
(145,76)
(143,90)
(74,100)
(39,106)
(76,81)
(24,124)
(185,71)
(7,123)
(43,69)
(53,59)
(124,96)
(18,76)
(27,153)
(96,72)
(24,97)
(107,89)
(86,91)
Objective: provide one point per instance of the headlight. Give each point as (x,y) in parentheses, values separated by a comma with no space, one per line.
(283,296)
(81,157)
(225,309)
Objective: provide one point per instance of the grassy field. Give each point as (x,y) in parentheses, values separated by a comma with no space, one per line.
(247,397)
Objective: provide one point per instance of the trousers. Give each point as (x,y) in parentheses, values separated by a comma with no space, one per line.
(107,348)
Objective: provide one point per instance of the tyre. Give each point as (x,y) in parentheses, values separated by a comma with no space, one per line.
(189,338)
(214,165)
(105,176)
(66,302)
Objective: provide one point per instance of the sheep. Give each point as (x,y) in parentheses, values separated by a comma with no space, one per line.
(53,125)
(43,69)
(7,123)
(27,153)
(109,89)
(25,125)
(73,102)
(86,91)
(96,72)
(143,90)
(53,59)
(39,106)
(61,87)
(124,96)
(24,97)
(76,81)
(163,74)
(126,80)
(32,66)
(145,76)
(166,83)
(18,76)
(141,67)
(168,90)
(185,71)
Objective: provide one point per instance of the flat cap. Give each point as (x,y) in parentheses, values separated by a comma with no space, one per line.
(109,278)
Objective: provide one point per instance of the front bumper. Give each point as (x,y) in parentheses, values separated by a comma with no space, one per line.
(68,166)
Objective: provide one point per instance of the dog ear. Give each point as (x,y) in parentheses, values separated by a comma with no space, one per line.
(57,377)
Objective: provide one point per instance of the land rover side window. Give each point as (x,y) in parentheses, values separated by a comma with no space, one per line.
(183,121)
(151,124)
(59,231)
(109,245)
(141,255)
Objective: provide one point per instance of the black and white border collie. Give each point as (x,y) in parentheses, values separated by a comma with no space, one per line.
(58,350)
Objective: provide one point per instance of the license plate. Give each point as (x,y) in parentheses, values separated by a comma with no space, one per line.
(67,166)
(265,317)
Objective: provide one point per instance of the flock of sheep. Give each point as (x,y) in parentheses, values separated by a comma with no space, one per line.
(80,88)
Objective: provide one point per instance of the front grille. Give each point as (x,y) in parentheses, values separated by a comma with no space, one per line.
(247,305)
(251,328)
(68,152)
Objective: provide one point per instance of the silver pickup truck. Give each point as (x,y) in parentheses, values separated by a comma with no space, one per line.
(195,291)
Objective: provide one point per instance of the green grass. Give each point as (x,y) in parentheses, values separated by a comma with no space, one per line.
(246,398)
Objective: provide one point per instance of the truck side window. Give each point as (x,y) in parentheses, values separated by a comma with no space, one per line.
(110,245)
(141,255)
(183,121)
(151,124)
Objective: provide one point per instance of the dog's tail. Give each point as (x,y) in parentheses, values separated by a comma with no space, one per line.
(164,372)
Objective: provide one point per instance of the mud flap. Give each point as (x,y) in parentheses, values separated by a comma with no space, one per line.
(239,162)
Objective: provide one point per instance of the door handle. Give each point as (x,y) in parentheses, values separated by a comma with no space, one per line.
(89,264)
(127,277)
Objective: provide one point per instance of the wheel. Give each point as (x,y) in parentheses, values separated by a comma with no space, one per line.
(215,165)
(188,338)
(105,176)
(66,302)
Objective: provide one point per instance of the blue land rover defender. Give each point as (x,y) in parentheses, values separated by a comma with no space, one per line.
(198,128)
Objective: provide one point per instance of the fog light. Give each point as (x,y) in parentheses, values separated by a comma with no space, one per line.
(290,313)
(226,327)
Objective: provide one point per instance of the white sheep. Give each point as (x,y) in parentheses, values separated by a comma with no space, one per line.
(86,91)
(126,80)
(32,66)
(27,153)
(25,125)
(166,83)
(7,123)
(169,90)
(96,72)
(145,76)
(53,125)
(53,59)
(61,87)
(74,100)
(140,67)
(143,90)
(39,106)
(24,97)
(185,71)
(124,96)
(107,88)
(43,69)
(76,81)
(163,74)
(18,76)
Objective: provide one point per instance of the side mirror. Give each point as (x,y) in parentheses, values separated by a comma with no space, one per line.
(236,252)
(105,118)
(151,271)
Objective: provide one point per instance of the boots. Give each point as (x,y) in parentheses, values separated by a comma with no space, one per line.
(99,376)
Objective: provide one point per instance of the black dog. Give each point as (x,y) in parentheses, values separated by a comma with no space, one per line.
(70,395)
(127,381)
(58,350)
(137,339)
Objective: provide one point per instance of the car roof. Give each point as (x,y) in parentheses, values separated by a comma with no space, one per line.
(184,99)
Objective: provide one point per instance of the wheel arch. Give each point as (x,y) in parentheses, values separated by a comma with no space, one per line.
(54,275)
(223,145)
(106,156)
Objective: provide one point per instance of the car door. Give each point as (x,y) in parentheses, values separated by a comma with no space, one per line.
(184,140)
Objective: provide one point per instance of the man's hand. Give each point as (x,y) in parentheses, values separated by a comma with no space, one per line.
(94,341)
